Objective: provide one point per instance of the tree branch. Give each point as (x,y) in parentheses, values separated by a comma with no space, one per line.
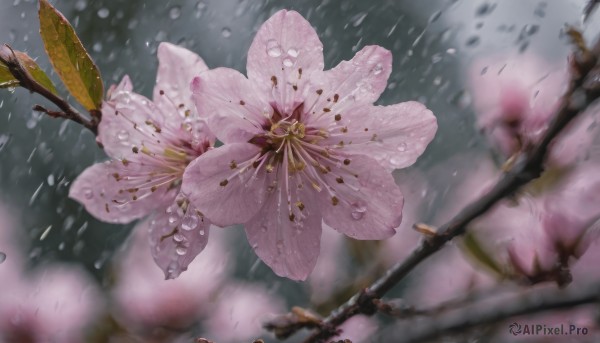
(490,311)
(584,88)
(9,58)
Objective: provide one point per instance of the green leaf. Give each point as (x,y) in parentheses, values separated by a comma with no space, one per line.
(71,61)
(6,77)
(474,248)
(35,71)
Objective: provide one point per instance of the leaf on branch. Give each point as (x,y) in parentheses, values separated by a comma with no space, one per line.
(14,67)
(71,61)
(472,245)
(6,77)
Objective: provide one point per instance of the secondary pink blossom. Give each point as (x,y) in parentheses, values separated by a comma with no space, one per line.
(303,145)
(150,143)
(143,300)
(572,211)
(515,100)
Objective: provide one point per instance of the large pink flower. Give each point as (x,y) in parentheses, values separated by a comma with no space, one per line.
(303,145)
(150,144)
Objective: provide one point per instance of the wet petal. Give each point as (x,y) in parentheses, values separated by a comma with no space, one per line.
(116,193)
(223,184)
(394,135)
(176,68)
(235,111)
(368,203)
(357,82)
(177,234)
(287,242)
(283,57)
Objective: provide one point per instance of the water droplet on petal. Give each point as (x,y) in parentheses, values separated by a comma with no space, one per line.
(181,250)
(178,238)
(190,222)
(293,52)
(172,219)
(402,147)
(273,48)
(358,211)
(263,229)
(287,62)
(88,193)
(122,135)
(378,69)
(201,232)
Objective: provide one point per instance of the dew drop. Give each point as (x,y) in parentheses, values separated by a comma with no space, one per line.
(288,63)
(88,193)
(293,52)
(178,238)
(181,250)
(2,257)
(263,229)
(201,232)
(122,135)
(402,147)
(358,211)
(175,12)
(172,219)
(190,222)
(273,48)
(378,69)
(103,13)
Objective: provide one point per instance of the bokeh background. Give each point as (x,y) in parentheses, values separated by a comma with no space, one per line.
(433,43)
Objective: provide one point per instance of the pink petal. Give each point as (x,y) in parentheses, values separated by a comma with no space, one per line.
(124,86)
(231,103)
(222,184)
(285,48)
(177,236)
(290,246)
(369,202)
(124,124)
(359,81)
(107,192)
(176,68)
(394,135)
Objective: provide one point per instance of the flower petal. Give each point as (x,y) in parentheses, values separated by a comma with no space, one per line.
(288,244)
(286,51)
(129,120)
(233,107)
(177,67)
(111,192)
(394,135)
(223,185)
(353,83)
(369,203)
(177,234)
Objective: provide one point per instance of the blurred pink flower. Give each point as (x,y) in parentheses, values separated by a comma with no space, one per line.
(54,304)
(303,145)
(150,143)
(515,98)
(144,300)
(240,312)
(573,209)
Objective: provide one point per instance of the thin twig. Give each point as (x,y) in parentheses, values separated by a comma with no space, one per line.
(583,89)
(20,72)
(488,311)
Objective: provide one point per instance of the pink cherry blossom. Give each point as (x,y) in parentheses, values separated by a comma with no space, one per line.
(150,143)
(515,98)
(303,145)
(143,300)
(573,209)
